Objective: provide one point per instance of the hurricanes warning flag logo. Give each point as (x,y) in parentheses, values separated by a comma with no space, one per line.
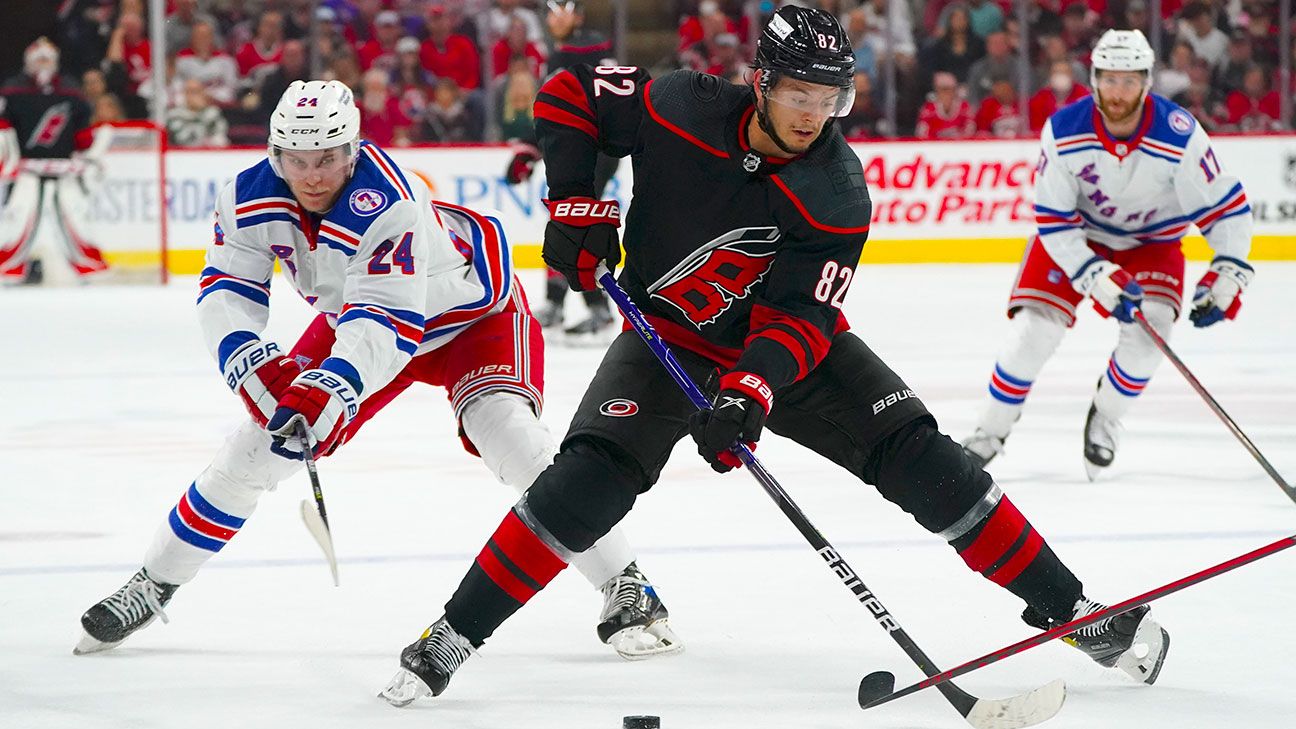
(706,284)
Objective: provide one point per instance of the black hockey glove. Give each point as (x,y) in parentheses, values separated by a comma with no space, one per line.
(522,164)
(582,232)
(741,406)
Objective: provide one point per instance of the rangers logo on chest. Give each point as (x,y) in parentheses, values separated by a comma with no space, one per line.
(704,285)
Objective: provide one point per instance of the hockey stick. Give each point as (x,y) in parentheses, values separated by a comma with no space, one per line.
(316,519)
(1196,384)
(1011,713)
(878,698)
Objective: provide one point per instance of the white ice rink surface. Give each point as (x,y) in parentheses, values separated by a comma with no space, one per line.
(112,406)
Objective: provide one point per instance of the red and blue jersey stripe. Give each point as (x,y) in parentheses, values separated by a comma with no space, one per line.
(388,170)
(338,237)
(1052,221)
(491,262)
(213,279)
(1233,203)
(406,325)
(265,210)
(195,521)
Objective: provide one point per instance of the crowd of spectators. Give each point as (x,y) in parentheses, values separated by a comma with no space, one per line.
(467,70)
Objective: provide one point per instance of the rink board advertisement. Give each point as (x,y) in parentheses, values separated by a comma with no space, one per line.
(932,201)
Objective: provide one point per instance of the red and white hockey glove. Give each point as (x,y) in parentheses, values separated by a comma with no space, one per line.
(582,232)
(738,415)
(324,402)
(259,374)
(1218,295)
(1114,291)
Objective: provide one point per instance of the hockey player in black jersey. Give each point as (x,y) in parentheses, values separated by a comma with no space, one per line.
(573,44)
(748,218)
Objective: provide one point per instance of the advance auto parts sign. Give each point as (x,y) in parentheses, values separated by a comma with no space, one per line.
(951,190)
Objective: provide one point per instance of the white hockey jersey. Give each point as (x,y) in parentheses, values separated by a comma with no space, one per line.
(1125,193)
(397,274)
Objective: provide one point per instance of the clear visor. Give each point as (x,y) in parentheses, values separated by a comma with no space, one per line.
(1120,81)
(814,99)
(298,162)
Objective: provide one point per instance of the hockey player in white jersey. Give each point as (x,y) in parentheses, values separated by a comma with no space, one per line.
(1122,176)
(408,290)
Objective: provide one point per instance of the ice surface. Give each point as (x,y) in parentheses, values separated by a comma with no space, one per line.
(113,406)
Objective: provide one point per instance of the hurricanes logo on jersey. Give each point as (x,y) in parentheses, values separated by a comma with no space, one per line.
(706,284)
(51,125)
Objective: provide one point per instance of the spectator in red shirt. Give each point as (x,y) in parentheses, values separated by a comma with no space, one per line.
(1062,89)
(693,27)
(1254,108)
(380,51)
(361,27)
(411,82)
(131,48)
(946,115)
(381,119)
(259,56)
(998,115)
(516,44)
(448,54)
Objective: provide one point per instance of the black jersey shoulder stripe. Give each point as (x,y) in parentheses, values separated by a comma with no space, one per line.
(647,97)
(801,208)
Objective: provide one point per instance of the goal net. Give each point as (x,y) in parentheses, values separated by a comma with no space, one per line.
(127,205)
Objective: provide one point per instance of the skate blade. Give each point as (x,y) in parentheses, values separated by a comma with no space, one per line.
(88,645)
(404,689)
(1147,668)
(638,643)
(1093,470)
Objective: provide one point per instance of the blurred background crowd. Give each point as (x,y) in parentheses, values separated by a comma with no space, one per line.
(463,71)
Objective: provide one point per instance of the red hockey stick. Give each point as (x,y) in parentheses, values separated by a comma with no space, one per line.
(870,696)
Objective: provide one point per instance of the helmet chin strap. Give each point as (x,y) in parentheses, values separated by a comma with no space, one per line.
(762,120)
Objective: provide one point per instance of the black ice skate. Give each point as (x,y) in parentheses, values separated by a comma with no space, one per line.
(981,447)
(116,617)
(1101,435)
(427,664)
(593,330)
(634,620)
(550,316)
(1131,641)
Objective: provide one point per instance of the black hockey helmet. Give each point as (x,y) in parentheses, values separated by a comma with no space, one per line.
(806,44)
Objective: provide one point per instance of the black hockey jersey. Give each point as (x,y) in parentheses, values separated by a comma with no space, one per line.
(742,258)
(47,119)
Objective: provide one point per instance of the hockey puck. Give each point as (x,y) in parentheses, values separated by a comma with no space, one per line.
(641,722)
(874,686)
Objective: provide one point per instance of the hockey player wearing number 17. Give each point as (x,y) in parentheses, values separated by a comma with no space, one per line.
(1121,176)
(748,219)
(408,290)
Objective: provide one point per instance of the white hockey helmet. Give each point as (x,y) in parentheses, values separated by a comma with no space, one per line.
(314,115)
(1122,50)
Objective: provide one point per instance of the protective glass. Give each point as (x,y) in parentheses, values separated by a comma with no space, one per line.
(815,99)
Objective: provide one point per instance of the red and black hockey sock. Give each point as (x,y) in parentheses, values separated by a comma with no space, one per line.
(928,475)
(1009,552)
(515,564)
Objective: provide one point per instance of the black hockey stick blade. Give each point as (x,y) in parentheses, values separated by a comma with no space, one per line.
(1015,712)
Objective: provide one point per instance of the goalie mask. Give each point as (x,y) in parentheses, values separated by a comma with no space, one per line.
(314,115)
(41,61)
